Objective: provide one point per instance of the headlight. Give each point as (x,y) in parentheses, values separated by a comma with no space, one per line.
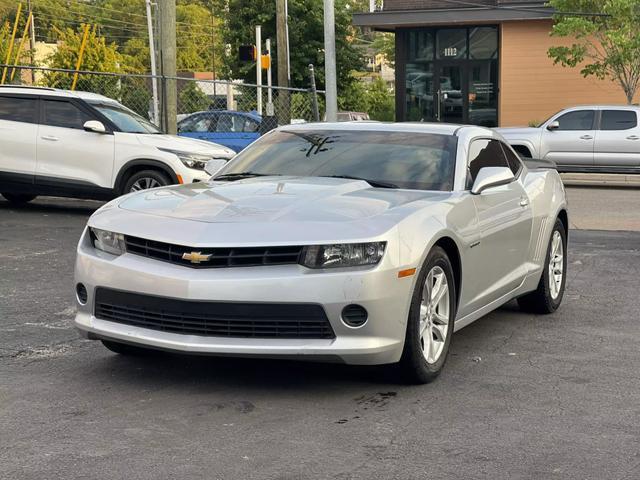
(191,160)
(109,242)
(343,255)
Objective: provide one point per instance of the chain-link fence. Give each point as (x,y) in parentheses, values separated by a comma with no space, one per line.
(277,106)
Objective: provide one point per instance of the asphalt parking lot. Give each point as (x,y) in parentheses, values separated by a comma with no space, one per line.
(522,396)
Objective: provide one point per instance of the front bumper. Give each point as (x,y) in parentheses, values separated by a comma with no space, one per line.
(190,175)
(380,340)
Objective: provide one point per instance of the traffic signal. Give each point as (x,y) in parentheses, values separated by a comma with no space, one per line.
(247,53)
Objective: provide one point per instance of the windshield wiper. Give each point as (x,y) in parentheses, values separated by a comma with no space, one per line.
(373,183)
(241,175)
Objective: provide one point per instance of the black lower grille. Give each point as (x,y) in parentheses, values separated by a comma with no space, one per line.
(213,319)
(213,257)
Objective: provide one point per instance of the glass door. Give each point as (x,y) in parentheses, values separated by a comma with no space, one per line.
(451,95)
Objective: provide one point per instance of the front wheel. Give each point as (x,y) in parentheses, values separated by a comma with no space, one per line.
(431,319)
(145,180)
(18,199)
(548,296)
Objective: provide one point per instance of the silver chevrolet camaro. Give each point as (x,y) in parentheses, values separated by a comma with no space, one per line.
(365,243)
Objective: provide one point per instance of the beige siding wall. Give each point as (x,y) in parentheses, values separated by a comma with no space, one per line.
(532,87)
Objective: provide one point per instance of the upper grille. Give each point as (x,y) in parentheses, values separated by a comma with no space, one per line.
(218,257)
(213,319)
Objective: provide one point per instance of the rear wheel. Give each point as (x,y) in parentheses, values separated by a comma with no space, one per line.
(17,198)
(126,349)
(548,296)
(431,317)
(144,180)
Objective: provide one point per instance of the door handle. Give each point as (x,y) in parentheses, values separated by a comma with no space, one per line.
(586,137)
(50,138)
(633,137)
(524,201)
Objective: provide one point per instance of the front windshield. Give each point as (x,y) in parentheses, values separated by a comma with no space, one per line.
(126,120)
(410,160)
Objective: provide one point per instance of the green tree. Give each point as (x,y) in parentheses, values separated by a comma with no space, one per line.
(192,99)
(605,41)
(306,38)
(98,57)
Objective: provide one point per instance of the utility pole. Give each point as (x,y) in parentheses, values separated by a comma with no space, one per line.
(213,58)
(259,68)
(269,82)
(167,10)
(330,61)
(154,72)
(32,43)
(282,41)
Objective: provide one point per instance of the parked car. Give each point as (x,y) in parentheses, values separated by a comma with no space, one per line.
(78,144)
(232,129)
(363,243)
(584,139)
(350,117)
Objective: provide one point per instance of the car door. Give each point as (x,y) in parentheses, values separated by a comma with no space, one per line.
(617,144)
(201,126)
(250,130)
(69,157)
(18,134)
(572,142)
(504,222)
(229,131)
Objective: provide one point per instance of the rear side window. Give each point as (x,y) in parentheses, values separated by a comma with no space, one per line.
(578,120)
(512,159)
(63,114)
(484,153)
(19,109)
(618,120)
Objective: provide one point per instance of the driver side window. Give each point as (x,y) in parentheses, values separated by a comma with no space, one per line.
(578,120)
(484,152)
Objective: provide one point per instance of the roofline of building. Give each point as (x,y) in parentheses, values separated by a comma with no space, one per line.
(390,20)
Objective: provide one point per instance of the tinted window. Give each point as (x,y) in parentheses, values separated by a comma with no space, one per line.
(512,159)
(126,120)
(452,43)
(226,124)
(485,153)
(483,43)
(579,120)
(63,114)
(408,160)
(19,109)
(618,120)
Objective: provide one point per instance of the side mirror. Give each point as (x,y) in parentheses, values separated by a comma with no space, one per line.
(555,125)
(489,177)
(94,126)
(213,166)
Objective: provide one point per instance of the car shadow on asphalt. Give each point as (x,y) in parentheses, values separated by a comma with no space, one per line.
(211,372)
(64,206)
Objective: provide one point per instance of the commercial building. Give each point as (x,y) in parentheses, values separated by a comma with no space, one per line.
(482,62)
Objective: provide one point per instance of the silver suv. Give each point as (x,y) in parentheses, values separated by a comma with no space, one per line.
(584,139)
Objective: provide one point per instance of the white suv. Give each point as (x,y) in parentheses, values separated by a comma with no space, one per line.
(84,145)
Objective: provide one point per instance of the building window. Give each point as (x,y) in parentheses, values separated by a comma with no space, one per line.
(483,43)
(452,43)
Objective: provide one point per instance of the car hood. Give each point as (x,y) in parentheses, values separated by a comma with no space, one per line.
(184,144)
(518,132)
(263,210)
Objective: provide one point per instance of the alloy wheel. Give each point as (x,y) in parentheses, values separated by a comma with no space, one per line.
(556,265)
(145,183)
(434,314)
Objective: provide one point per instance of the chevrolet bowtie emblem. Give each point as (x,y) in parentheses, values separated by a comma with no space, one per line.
(195,257)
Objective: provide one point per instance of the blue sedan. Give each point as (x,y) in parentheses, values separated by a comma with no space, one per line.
(232,129)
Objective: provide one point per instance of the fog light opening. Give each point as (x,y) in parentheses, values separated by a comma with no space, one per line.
(81,294)
(354,316)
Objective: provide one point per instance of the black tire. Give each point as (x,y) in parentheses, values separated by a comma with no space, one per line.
(152,176)
(541,299)
(17,198)
(414,366)
(126,349)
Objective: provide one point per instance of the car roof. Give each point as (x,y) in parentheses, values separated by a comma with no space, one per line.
(54,92)
(602,107)
(253,115)
(373,126)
